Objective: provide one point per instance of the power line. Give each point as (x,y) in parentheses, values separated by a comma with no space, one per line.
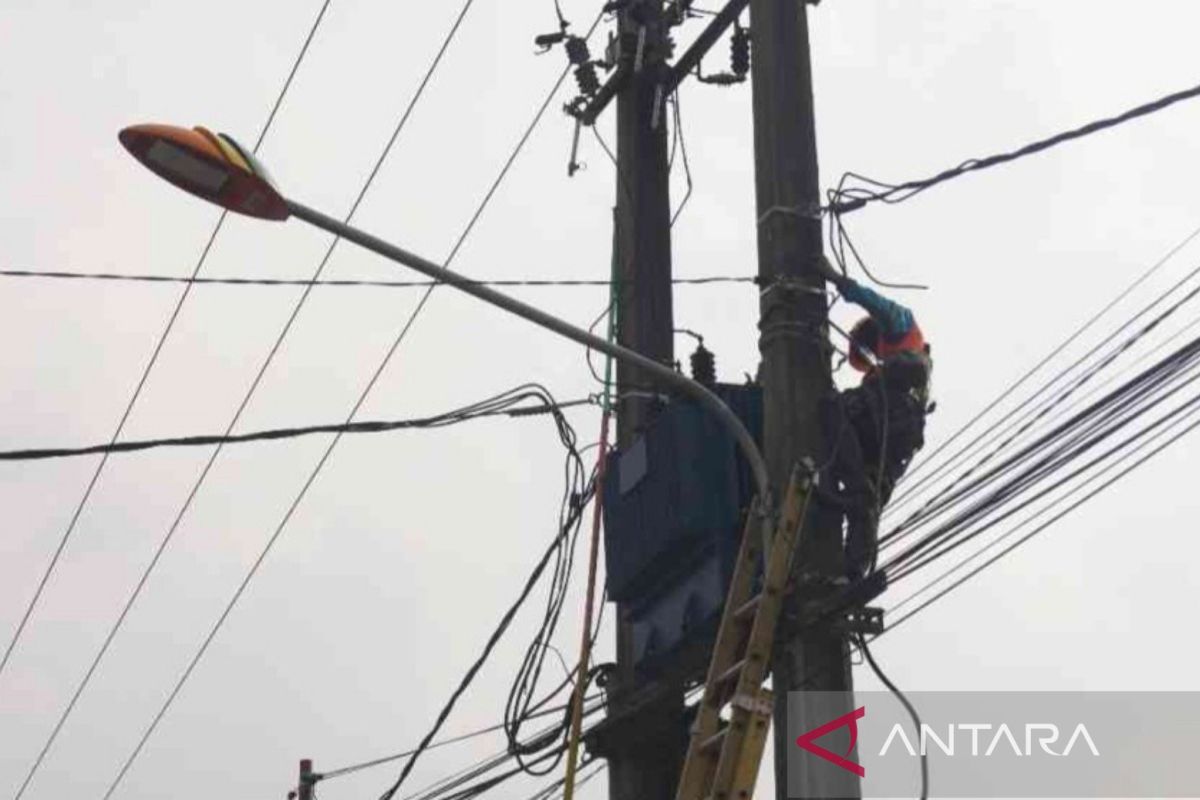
(951,494)
(170,279)
(1091,479)
(376,762)
(1043,526)
(560,550)
(137,392)
(1047,409)
(216,452)
(275,434)
(908,487)
(1070,441)
(329,449)
(843,200)
(444,786)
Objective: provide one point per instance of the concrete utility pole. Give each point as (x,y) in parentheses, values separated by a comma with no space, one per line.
(304,789)
(647,766)
(795,368)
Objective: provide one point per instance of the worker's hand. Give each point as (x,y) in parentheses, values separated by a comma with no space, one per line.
(828,272)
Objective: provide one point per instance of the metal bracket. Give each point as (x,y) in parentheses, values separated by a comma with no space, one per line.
(573,165)
(860,621)
(656,116)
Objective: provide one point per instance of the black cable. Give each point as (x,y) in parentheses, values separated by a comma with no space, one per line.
(912,711)
(1108,410)
(459,781)
(532,282)
(1081,433)
(850,199)
(380,426)
(1095,415)
(158,347)
(687,169)
(622,180)
(560,544)
(952,494)
(463,777)
(1091,479)
(517,706)
(337,437)
(1009,490)
(587,354)
(1043,526)
(1041,411)
(909,488)
(401,124)
(376,762)
(137,392)
(552,790)
(840,238)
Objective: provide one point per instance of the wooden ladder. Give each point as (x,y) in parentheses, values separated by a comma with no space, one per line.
(723,755)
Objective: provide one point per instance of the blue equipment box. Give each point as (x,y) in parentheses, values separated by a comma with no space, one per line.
(674,501)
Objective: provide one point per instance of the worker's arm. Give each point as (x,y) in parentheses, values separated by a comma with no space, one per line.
(894,320)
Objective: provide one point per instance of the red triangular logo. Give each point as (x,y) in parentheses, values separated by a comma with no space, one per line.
(807,741)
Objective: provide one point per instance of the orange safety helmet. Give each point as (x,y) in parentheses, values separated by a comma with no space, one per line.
(866,342)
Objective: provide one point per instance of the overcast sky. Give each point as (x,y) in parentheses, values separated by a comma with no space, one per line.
(395,568)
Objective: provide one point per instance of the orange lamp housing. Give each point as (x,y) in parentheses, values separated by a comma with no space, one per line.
(211,166)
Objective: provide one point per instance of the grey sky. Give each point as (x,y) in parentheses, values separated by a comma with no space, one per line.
(398,564)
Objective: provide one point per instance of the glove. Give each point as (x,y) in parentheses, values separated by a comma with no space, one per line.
(830,274)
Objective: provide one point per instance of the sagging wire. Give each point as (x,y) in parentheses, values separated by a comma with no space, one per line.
(904,701)
(873,190)
(687,170)
(501,405)
(576,494)
(377,762)
(840,241)
(342,283)
(457,785)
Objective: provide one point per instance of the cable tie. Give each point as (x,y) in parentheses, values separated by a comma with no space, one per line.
(843,206)
(788,283)
(806,211)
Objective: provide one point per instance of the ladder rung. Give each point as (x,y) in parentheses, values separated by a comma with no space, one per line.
(713,740)
(732,672)
(746,610)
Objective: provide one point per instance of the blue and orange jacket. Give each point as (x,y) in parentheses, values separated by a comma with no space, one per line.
(899,332)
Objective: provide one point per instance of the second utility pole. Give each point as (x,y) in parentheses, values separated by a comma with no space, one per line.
(795,364)
(646,765)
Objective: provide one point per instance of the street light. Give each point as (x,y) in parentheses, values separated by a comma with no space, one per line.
(214,167)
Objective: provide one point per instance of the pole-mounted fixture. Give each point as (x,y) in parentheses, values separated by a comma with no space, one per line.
(215,168)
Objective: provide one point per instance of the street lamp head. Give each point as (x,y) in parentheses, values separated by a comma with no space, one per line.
(209,165)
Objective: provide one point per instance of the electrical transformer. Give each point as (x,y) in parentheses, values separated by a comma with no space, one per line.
(674,503)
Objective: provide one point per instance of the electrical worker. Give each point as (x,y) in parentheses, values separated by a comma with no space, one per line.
(875,428)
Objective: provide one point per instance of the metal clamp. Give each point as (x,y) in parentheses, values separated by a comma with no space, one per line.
(806,211)
(755,704)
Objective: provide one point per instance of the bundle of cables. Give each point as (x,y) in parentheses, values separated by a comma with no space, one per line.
(1125,399)
(539,753)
